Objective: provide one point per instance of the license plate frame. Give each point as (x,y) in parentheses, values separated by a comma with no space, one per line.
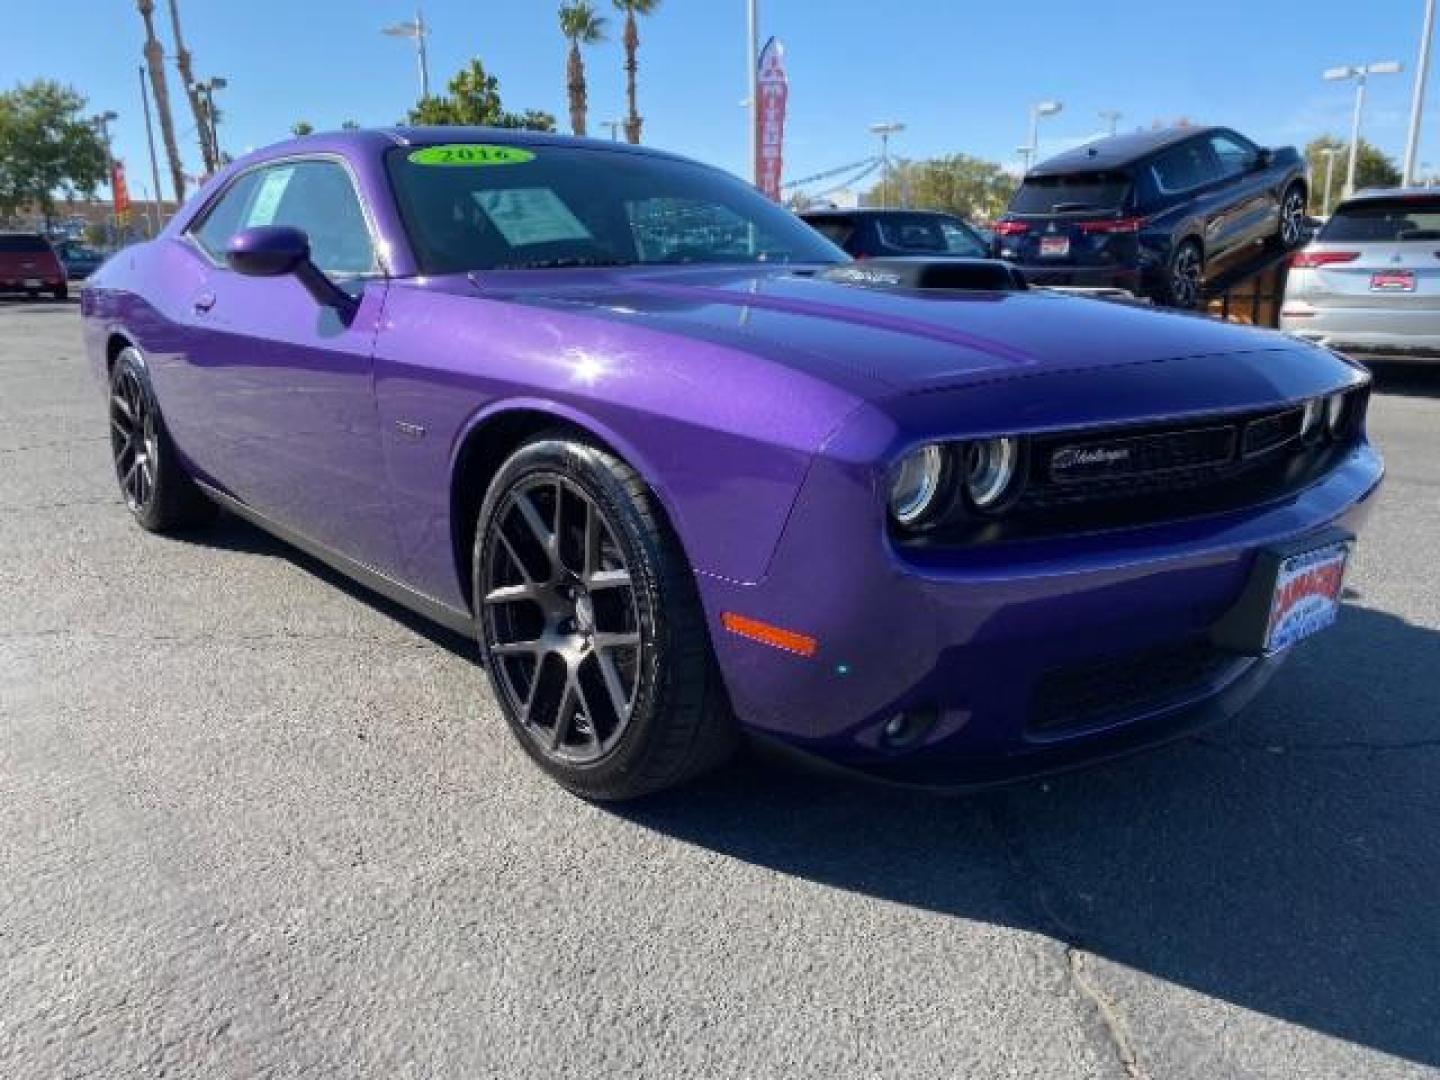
(1392,281)
(1054,247)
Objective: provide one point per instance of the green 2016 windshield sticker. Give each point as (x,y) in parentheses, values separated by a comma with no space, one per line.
(470,154)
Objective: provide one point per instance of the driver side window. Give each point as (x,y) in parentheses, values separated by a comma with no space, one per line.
(1234,156)
(316,196)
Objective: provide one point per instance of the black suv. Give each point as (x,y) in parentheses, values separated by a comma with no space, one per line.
(873,232)
(1153,211)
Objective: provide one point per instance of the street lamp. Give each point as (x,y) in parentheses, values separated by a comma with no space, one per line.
(885,130)
(1329,153)
(101,123)
(1111,118)
(1417,94)
(1039,109)
(417,31)
(209,87)
(1360,73)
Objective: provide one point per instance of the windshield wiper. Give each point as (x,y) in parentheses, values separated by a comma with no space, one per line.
(566,263)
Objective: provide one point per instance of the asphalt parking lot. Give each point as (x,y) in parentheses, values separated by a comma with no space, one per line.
(255,822)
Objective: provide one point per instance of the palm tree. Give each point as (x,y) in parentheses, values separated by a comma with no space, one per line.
(581,26)
(155,60)
(632,8)
(187,80)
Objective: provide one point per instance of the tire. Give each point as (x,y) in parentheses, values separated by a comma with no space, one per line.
(60,292)
(1291,232)
(591,628)
(1184,277)
(157,491)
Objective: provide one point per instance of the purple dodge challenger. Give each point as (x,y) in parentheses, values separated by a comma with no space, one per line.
(686,471)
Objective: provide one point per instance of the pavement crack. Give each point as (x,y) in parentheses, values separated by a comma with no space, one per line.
(1044,897)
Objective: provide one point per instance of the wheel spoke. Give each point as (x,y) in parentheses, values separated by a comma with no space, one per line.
(607,579)
(515,556)
(619,699)
(542,534)
(517,648)
(509,594)
(628,640)
(564,715)
(118,400)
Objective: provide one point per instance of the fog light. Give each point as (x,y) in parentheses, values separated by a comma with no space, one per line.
(907,729)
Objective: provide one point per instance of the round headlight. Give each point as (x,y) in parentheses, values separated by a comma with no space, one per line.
(1335,413)
(990,467)
(916,483)
(1310,419)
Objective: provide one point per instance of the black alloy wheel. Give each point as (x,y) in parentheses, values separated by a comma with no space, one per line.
(1292,218)
(590,625)
(1186,276)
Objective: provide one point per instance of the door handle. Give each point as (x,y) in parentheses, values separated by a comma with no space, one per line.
(203,303)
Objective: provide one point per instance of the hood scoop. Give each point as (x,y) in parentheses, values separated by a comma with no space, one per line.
(973,275)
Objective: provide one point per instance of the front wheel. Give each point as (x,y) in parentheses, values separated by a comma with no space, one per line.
(1291,233)
(590,625)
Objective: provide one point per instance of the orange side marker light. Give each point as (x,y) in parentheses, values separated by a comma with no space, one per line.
(774,636)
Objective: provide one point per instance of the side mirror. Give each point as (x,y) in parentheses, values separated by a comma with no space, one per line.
(276,250)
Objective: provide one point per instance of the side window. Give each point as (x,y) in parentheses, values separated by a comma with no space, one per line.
(315,196)
(837,230)
(1235,157)
(1188,166)
(226,217)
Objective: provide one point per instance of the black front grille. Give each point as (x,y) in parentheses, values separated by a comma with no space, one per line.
(1074,698)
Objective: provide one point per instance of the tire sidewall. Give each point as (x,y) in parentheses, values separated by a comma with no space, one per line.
(588,467)
(1171,298)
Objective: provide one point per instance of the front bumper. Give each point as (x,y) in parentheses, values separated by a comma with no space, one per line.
(974,641)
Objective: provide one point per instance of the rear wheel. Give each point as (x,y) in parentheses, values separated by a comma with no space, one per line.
(1184,277)
(591,628)
(1291,233)
(157,491)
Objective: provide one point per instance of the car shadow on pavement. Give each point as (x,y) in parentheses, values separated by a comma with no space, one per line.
(1287,862)
(230,533)
(1417,379)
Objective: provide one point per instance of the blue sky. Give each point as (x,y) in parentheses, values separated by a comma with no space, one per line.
(960,74)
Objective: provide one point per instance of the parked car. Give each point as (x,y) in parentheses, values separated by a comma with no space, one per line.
(29,264)
(1370,281)
(1153,212)
(80,260)
(679,491)
(871,232)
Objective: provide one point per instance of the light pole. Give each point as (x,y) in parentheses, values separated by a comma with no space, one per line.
(752,83)
(1039,109)
(1329,152)
(1417,95)
(416,31)
(1360,73)
(102,125)
(1025,154)
(209,87)
(885,130)
(1112,119)
(154,161)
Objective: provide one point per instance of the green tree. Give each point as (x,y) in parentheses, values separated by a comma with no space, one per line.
(301,128)
(1373,168)
(959,183)
(46,148)
(631,40)
(581,26)
(474,100)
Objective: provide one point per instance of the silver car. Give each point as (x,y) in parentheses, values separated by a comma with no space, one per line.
(1370,282)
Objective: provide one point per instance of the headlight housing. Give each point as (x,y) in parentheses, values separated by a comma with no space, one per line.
(991,468)
(916,486)
(1311,419)
(1335,413)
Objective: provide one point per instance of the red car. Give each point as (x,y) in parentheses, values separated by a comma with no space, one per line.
(29,264)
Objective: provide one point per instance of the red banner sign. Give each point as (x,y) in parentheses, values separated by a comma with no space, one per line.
(773,91)
(119,189)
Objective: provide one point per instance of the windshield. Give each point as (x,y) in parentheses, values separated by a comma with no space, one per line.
(929,233)
(479,208)
(1389,221)
(1076,193)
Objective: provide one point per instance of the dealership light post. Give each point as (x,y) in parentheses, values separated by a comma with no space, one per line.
(1112,120)
(1329,152)
(416,31)
(1360,73)
(885,131)
(1417,94)
(1039,109)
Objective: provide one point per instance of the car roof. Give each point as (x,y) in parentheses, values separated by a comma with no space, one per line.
(872,211)
(1116,151)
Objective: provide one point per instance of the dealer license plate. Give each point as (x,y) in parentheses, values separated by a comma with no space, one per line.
(1055,247)
(33,283)
(1392,281)
(1307,595)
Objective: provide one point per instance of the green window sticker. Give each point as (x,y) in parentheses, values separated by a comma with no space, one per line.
(470,154)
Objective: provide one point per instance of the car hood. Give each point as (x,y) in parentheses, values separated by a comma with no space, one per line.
(899,339)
